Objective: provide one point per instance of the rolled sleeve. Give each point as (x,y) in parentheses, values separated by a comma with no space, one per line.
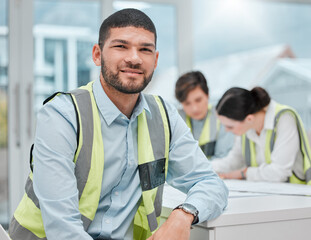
(191,172)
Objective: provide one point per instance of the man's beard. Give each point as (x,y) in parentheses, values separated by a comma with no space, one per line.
(114,81)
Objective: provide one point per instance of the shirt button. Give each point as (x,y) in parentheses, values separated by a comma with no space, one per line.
(107,221)
(116,193)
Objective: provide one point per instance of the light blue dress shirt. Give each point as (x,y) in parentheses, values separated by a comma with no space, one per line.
(55,183)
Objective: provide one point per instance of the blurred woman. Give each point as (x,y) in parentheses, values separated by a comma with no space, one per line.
(271,143)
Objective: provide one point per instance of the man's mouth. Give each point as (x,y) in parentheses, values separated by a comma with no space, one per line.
(131,71)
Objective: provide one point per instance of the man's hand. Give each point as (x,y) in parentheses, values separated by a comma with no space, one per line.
(176,227)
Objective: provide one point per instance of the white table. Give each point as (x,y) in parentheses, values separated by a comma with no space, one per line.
(252,216)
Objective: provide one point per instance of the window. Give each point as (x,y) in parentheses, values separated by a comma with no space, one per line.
(64,34)
(249,43)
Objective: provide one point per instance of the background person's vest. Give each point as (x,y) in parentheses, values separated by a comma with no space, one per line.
(249,151)
(153,148)
(210,130)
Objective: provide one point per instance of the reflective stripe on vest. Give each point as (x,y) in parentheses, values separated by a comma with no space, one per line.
(89,158)
(153,149)
(249,151)
(209,133)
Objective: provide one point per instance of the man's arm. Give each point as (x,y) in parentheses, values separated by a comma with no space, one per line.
(190,172)
(53,178)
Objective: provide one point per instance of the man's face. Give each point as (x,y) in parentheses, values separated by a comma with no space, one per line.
(128,59)
(196,104)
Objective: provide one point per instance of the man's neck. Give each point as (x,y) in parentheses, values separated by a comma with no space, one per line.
(124,102)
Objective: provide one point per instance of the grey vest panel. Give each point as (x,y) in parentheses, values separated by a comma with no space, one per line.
(30,192)
(308,175)
(213,125)
(182,114)
(247,152)
(156,128)
(83,163)
(209,148)
(18,232)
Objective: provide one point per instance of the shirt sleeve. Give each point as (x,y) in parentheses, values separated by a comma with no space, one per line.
(53,178)
(283,155)
(191,172)
(224,143)
(233,161)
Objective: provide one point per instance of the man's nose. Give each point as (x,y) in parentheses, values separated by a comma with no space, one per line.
(133,57)
(194,107)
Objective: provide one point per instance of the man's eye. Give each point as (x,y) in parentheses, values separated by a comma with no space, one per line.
(119,46)
(146,50)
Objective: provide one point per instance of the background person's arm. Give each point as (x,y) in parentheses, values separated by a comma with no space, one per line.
(53,179)
(233,161)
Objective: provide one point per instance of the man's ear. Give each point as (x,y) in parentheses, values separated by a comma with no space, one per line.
(96,54)
(156,60)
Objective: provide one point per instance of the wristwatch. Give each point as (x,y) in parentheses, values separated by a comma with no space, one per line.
(188,208)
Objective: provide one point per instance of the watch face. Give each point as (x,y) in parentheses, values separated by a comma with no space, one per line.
(188,207)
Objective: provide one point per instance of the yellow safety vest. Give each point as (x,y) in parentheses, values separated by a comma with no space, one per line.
(209,133)
(153,148)
(249,151)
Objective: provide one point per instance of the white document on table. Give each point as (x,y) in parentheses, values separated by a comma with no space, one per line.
(268,187)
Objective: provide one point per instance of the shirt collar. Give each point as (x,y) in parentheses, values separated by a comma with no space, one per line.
(107,108)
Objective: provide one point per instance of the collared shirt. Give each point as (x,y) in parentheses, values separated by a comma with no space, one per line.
(55,183)
(285,157)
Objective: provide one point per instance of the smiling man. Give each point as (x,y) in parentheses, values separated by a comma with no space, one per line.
(103,152)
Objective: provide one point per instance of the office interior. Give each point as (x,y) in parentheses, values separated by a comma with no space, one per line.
(45,46)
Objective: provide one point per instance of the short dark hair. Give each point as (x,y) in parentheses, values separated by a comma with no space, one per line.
(189,81)
(237,103)
(125,18)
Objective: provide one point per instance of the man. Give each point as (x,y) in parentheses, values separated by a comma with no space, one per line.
(102,152)
(200,116)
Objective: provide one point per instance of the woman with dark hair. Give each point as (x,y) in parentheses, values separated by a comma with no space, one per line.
(200,116)
(271,142)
